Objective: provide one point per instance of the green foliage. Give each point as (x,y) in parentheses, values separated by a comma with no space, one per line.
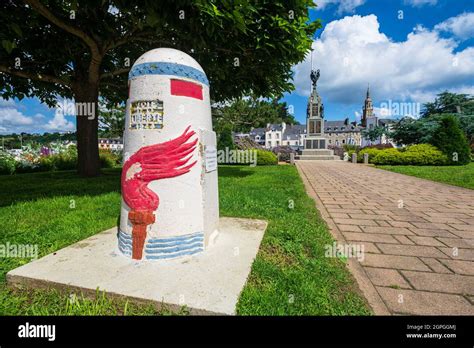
(225,139)
(451,140)
(111,121)
(449,103)
(422,155)
(7,163)
(264,37)
(108,159)
(374,133)
(244,114)
(265,158)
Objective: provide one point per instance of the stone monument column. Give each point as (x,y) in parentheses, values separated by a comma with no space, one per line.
(169,178)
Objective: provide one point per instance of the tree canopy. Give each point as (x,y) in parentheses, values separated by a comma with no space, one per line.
(84,48)
(415,131)
(243,114)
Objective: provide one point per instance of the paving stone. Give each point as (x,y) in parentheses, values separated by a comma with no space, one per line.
(355,222)
(394,261)
(402,239)
(386,277)
(462,227)
(459,266)
(459,254)
(435,282)
(410,250)
(400,224)
(458,242)
(429,241)
(424,303)
(432,233)
(386,230)
(436,265)
(351,228)
(369,237)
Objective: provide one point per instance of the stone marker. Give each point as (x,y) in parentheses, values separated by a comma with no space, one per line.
(169,208)
(292,158)
(169,178)
(354,158)
(366,158)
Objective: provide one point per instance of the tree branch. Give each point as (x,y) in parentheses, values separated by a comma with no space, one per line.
(90,42)
(114,73)
(34,76)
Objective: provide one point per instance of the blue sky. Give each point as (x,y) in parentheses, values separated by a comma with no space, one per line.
(406,57)
(365,42)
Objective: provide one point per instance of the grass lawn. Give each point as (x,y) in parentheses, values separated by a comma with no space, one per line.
(454,175)
(289,276)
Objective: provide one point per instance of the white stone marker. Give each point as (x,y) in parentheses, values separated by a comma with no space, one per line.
(169,179)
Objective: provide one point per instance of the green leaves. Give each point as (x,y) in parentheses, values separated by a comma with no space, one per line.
(8,45)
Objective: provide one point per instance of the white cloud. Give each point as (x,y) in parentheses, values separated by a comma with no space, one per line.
(352,52)
(13,120)
(461,26)
(59,124)
(343,6)
(420,3)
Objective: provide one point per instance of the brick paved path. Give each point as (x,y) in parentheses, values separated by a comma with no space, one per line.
(419,258)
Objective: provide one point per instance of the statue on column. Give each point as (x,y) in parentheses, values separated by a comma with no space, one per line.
(315,77)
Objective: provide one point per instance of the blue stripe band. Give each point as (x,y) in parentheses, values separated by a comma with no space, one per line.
(164,68)
(164,248)
(156,257)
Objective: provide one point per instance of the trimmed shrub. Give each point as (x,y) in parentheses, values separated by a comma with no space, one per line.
(452,141)
(424,154)
(421,154)
(265,158)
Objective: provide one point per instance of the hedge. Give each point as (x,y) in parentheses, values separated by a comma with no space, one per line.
(421,154)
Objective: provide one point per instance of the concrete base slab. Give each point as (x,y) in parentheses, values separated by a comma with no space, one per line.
(207,283)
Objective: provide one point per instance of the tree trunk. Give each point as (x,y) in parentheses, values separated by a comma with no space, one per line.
(86,96)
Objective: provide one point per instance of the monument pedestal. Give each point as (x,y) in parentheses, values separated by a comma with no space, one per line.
(206,283)
(318,154)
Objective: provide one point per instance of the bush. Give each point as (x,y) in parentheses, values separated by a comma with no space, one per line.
(422,154)
(7,163)
(265,158)
(452,141)
(283,152)
(370,150)
(108,159)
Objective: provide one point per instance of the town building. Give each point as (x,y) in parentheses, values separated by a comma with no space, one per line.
(112,144)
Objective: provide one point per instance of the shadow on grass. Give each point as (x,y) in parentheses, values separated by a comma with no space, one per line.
(33,186)
(234,172)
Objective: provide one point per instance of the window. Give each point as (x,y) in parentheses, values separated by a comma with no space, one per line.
(343,141)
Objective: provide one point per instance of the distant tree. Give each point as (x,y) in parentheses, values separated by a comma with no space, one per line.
(374,133)
(245,113)
(83,49)
(111,121)
(408,131)
(451,140)
(225,139)
(449,103)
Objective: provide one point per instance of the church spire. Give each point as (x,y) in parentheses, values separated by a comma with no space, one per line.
(368,109)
